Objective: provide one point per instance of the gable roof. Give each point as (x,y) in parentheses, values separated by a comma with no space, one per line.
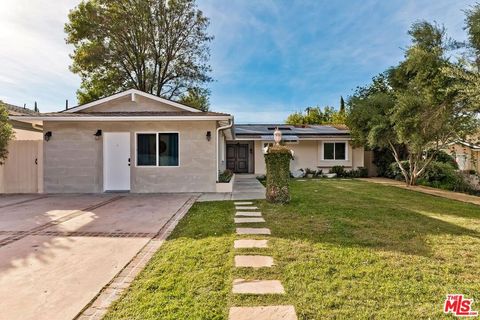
(132,93)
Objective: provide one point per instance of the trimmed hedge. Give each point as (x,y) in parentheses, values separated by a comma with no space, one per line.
(277,162)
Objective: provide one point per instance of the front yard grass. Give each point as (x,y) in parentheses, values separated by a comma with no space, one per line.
(344,249)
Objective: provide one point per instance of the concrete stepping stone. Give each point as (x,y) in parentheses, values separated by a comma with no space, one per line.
(248,220)
(249,243)
(241,286)
(246,208)
(242,203)
(263,313)
(248,214)
(253,261)
(253,231)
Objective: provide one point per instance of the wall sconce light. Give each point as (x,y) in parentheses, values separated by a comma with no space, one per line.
(98,134)
(209,135)
(48,135)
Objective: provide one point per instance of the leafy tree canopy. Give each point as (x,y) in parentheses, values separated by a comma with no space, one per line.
(412,104)
(6,132)
(157,46)
(315,115)
(196,98)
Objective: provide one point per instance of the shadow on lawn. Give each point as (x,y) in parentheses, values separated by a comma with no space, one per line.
(353,213)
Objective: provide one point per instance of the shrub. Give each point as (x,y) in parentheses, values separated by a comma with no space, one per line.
(362,172)
(277,161)
(225,176)
(339,170)
(444,176)
(394,172)
(444,157)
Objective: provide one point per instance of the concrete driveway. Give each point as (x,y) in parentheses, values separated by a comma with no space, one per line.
(58,251)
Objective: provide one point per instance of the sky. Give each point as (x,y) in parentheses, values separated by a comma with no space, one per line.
(269,57)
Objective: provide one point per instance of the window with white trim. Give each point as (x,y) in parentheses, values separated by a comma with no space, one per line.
(334,151)
(158,149)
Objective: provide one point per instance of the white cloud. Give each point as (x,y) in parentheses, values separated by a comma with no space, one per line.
(34,56)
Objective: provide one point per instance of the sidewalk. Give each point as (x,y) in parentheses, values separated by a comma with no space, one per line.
(245,187)
(432,191)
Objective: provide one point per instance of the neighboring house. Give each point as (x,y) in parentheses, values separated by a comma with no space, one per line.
(466,154)
(25,130)
(314,146)
(22,171)
(134,141)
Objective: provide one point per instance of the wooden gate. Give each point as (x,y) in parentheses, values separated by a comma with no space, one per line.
(23,169)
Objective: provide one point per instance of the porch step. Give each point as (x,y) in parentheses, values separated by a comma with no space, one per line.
(245,208)
(242,203)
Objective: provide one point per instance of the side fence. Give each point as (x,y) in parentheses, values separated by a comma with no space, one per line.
(23,169)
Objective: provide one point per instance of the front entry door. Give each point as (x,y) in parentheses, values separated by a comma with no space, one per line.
(116,161)
(237,158)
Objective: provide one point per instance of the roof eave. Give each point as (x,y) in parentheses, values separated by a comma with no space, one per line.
(117,119)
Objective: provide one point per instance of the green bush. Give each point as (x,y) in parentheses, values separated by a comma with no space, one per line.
(339,170)
(277,161)
(394,172)
(444,157)
(225,176)
(438,175)
(444,176)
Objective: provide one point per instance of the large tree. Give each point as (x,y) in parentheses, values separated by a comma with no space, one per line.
(157,46)
(196,98)
(315,115)
(413,104)
(6,132)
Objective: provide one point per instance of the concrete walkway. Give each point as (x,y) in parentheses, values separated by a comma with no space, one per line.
(432,191)
(245,187)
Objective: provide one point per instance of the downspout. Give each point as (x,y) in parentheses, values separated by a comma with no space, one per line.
(228,126)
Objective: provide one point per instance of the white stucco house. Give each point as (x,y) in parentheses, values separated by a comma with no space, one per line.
(137,142)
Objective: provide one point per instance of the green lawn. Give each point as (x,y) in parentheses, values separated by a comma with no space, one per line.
(344,249)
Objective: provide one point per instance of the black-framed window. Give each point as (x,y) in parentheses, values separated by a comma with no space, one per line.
(146,149)
(168,149)
(334,151)
(158,149)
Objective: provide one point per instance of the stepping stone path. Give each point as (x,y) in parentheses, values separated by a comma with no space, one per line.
(248,214)
(253,231)
(247,244)
(253,261)
(246,208)
(255,287)
(248,220)
(263,313)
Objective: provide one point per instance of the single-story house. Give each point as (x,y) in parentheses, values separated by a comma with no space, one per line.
(138,142)
(315,147)
(466,154)
(24,130)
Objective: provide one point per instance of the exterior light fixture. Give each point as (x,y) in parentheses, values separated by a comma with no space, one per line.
(98,134)
(48,135)
(209,135)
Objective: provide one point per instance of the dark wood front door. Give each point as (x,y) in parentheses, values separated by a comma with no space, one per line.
(237,158)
